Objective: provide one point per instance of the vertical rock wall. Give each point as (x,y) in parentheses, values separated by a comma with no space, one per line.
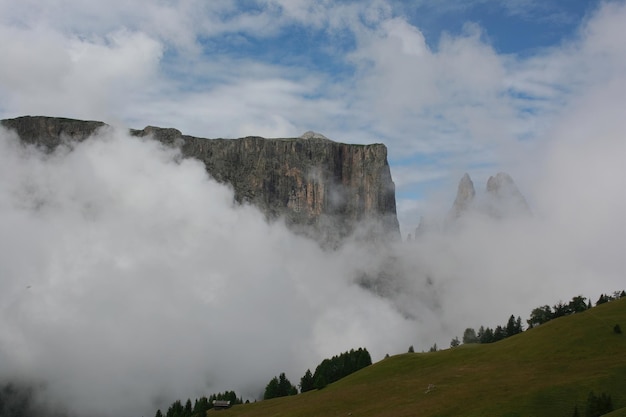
(323,189)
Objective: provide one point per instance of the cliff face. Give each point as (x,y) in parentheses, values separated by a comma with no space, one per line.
(505,199)
(49,132)
(323,189)
(464,196)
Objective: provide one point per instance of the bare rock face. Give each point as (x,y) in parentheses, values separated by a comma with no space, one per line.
(464,197)
(504,198)
(323,189)
(50,132)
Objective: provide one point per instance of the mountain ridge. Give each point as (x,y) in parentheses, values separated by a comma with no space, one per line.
(326,190)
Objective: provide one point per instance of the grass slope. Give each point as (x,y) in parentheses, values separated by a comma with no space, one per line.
(544,371)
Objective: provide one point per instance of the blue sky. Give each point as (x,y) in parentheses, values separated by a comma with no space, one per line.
(449,86)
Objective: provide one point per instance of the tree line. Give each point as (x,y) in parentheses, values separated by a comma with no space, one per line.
(538,316)
(200,405)
(335,368)
(327,372)
(342,365)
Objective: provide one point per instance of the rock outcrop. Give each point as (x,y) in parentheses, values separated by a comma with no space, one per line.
(323,189)
(464,197)
(502,199)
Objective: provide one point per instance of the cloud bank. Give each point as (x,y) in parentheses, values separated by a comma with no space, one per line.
(129,278)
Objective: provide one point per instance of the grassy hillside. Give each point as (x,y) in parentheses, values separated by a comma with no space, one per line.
(544,371)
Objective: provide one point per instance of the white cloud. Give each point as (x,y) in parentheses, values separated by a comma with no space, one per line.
(117,222)
(73,77)
(129,276)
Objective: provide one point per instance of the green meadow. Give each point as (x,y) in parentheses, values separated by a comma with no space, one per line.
(544,371)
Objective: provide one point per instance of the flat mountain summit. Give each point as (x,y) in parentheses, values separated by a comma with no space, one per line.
(325,190)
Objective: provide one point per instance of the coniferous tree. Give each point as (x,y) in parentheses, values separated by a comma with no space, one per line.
(201,406)
(499,334)
(602,300)
(271,390)
(306,382)
(158,413)
(175,410)
(455,342)
(321,381)
(363,359)
(487,336)
(511,327)
(284,386)
(340,366)
(519,327)
(411,350)
(481,332)
(279,387)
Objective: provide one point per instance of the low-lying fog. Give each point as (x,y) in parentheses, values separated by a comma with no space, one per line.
(129,279)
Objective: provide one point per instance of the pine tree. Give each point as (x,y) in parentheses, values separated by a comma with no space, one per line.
(201,406)
(411,350)
(363,359)
(603,299)
(511,329)
(284,386)
(188,408)
(321,381)
(306,382)
(487,336)
(277,387)
(271,390)
(499,333)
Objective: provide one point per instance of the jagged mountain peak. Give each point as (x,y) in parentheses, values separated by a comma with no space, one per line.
(464,196)
(501,199)
(504,198)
